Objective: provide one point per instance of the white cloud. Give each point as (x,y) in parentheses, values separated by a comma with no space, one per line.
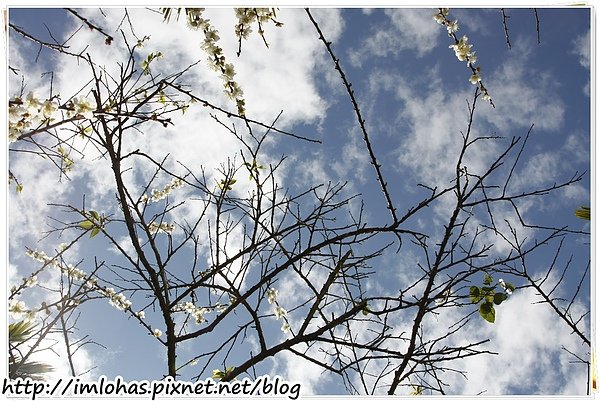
(433,143)
(354,160)
(407,29)
(582,49)
(540,169)
(521,101)
(296,369)
(28,209)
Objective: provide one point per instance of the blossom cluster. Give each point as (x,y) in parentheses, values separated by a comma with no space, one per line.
(159,194)
(277,309)
(216,58)
(118,300)
(247,16)
(80,107)
(19,310)
(30,281)
(196,312)
(29,113)
(463,50)
(70,270)
(163,227)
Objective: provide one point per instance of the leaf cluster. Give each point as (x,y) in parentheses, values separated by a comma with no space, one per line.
(488,297)
(94,223)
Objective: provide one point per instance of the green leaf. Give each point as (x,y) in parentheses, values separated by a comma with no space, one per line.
(487,279)
(227,184)
(219,374)
(95,215)
(509,286)
(416,390)
(86,225)
(94,232)
(584,213)
(475,294)
(500,297)
(486,310)
(19,188)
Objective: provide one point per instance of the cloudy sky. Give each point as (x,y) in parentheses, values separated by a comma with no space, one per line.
(413,93)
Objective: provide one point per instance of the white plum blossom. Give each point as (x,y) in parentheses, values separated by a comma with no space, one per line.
(280,312)
(194,18)
(472,59)
(17,309)
(16,112)
(166,228)
(119,300)
(195,311)
(157,333)
(159,194)
(452,27)
(285,327)
(40,256)
(75,273)
(462,48)
(30,281)
(30,113)
(141,314)
(49,107)
(475,78)
(216,59)
(32,103)
(199,313)
(81,107)
(440,17)
(272,295)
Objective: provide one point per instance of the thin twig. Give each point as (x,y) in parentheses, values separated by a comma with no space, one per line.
(537,25)
(361,121)
(504,18)
(232,114)
(93,27)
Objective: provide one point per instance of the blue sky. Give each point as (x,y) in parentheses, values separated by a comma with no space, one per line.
(413,94)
